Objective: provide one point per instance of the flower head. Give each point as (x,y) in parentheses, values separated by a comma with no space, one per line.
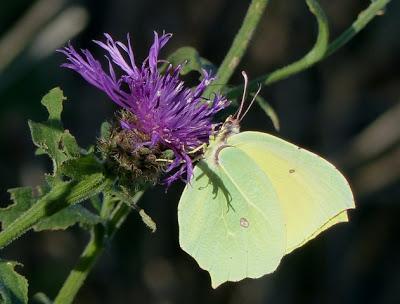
(159,107)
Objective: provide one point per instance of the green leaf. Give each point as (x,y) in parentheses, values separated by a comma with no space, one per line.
(208,65)
(22,200)
(41,298)
(13,286)
(70,146)
(48,139)
(105,130)
(269,111)
(40,151)
(79,167)
(61,196)
(191,59)
(53,103)
(68,217)
(96,202)
(147,220)
(49,136)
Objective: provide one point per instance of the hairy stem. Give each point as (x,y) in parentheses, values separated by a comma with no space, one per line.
(100,237)
(240,43)
(61,196)
(86,262)
(310,59)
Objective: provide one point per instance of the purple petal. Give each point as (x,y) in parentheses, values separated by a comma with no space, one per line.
(155,49)
(171,115)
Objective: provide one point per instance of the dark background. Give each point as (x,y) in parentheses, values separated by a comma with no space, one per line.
(346,109)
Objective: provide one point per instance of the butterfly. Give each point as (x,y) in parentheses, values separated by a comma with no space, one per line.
(253,199)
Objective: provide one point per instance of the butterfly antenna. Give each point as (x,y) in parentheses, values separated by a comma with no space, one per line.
(252,101)
(246,80)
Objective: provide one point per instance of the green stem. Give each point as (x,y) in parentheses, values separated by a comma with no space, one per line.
(240,43)
(309,60)
(61,196)
(314,55)
(362,20)
(98,240)
(86,262)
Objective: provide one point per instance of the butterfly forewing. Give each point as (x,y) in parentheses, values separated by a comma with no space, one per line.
(313,194)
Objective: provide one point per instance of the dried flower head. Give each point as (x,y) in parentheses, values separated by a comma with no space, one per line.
(159,111)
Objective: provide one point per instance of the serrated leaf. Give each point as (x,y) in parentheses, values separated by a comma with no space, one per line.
(40,151)
(79,167)
(53,103)
(71,147)
(49,140)
(49,136)
(191,59)
(13,286)
(22,200)
(70,216)
(68,193)
(51,181)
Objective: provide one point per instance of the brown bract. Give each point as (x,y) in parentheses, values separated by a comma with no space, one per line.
(128,158)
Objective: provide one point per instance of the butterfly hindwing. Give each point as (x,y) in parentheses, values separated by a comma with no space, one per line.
(230,219)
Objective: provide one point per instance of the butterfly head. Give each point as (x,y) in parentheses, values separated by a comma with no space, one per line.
(231,125)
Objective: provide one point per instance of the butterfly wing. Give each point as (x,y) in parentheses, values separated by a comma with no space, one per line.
(313,194)
(230,220)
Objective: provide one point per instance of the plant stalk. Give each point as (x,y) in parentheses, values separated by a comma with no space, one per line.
(78,275)
(362,20)
(240,43)
(307,61)
(61,196)
(100,237)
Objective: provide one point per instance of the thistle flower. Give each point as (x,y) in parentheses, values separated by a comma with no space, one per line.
(159,112)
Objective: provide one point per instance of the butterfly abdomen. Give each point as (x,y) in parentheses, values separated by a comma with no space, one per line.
(217,151)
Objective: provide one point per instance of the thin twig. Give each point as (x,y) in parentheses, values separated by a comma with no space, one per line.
(240,43)
(304,63)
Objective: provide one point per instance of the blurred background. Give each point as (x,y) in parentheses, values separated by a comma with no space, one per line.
(346,109)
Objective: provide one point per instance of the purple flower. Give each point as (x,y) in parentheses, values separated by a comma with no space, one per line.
(172,115)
